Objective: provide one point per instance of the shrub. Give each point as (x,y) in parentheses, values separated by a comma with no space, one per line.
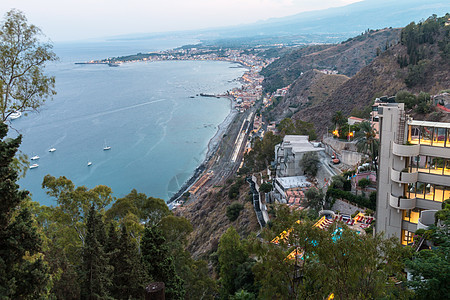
(234,210)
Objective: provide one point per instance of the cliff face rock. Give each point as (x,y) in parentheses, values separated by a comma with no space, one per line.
(347,57)
(310,89)
(381,77)
(207,215)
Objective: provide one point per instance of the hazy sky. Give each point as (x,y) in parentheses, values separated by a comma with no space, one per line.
(63,20)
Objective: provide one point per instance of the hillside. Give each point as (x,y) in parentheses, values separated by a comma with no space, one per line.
(429,71)
(311,89)
(347,57)
(207,214)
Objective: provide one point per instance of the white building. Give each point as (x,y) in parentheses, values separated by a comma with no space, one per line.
(289,153)
(414,172)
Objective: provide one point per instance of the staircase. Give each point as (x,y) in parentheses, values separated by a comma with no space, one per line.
(401,128)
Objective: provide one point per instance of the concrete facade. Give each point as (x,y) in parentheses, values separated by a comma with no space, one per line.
(289,153)
(414,171)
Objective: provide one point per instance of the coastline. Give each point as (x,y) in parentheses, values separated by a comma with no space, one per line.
(213,146)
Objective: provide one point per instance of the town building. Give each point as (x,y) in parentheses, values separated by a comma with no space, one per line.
(374,118)
(414,172)
(289,153)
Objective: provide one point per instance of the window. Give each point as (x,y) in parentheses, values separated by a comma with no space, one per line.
(412,215)
(427,135)
(414,134)
(407,237)
(439,137)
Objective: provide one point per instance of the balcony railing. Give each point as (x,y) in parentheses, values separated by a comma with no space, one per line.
(426,219)
(404,177)
(405,150)
(402,203)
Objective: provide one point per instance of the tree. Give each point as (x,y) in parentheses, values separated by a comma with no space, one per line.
(95,268)
(350,265)
(128,280)
(338,119)
(430,268)
(314,198)
(23,273)
(310,163)
(367,143)
(68,220)
(23,85)
(234,210)
(266,187)
(159,263)
(232,254)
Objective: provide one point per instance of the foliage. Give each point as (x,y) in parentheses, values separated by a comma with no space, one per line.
(288,127)
(431,268)
(234,210)
(338,119)
(266,187)
(363,183)
(367,143)
(310,163)
(67,221)
(232,253)
(314,198)
(23,85)
(159,263)
(350,265)
(233,192)
(358,200)
(95,268)
(128,277)
(23,273)
(262,153)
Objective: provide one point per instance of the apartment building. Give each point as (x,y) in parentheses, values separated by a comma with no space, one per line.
(414,172)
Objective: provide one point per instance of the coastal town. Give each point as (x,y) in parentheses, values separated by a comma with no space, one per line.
(244,96)
(326,174)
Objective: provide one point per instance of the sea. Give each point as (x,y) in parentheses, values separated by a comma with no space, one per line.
(149,113)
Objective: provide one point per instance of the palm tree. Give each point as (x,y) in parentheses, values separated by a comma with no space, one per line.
(366,141)
(338,119)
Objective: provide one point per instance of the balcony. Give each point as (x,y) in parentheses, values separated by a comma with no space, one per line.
(405,150)
(404,177)
(426,219)
(401,203)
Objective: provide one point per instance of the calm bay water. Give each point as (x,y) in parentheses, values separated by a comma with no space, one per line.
(158,134)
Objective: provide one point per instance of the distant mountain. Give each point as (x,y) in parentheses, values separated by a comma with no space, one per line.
(346,58)
(421,62)
(329,25)
(351,19)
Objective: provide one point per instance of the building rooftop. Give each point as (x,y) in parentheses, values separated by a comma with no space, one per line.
(428,124)
(299,143)
(293,182)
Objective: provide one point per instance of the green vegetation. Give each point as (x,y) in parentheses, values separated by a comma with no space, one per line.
(420,104)
(310,163)
(234,210)
(351,266)
(23,272)
(298,127)
(430,268)
(414,37)
(23,85)
(266,187)
(367,143)
(262,153)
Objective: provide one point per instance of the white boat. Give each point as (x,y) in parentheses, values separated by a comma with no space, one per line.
(15,115)
(89,163)
(106,147)
(35,157)
(33,166)
(51,150)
